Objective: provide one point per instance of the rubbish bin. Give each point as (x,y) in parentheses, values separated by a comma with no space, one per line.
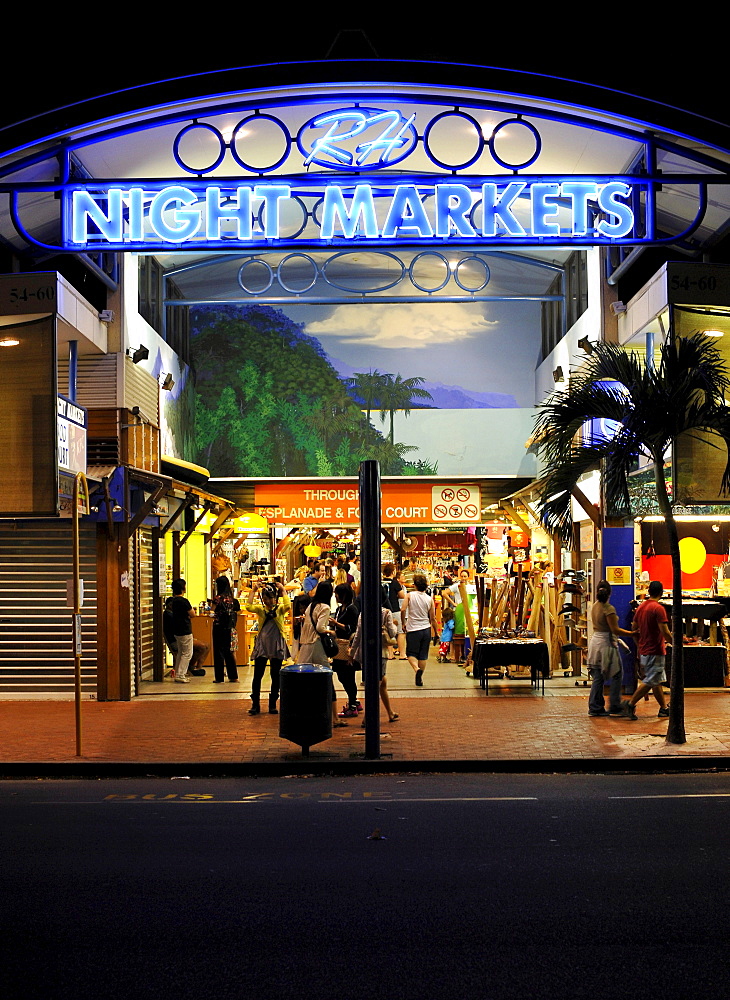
(305,709)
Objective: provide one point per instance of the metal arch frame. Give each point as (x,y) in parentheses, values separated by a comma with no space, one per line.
(649,178)
(363,295)
(63,146)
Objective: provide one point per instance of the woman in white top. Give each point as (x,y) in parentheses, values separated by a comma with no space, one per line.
(418,616)
(316,623)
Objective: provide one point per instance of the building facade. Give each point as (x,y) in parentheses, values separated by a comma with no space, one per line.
(276,280)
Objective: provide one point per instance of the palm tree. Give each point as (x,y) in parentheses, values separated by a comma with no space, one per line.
(368,387)
(389,455)
(649,407)
(328,419)
(398,394)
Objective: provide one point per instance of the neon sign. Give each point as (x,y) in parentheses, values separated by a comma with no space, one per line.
(474,210)
(357,139)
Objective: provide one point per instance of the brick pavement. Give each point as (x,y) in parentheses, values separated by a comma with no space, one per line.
(505,727)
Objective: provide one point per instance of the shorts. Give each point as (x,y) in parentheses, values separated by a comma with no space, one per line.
(397,622)
(653,668)
(417,643)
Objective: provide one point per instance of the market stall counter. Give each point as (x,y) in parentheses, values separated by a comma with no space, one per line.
(203,631)
(532,653)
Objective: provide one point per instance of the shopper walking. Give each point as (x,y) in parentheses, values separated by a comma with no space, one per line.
(182,628)
(419,621)
(344,623)
(652,626)
(393,595)
(604,659)
(225,636)
(388,631)
(270,603)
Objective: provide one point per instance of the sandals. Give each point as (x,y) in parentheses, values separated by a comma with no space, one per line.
(394,717)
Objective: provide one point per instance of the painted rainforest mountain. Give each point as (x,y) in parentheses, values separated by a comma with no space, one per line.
(269,403)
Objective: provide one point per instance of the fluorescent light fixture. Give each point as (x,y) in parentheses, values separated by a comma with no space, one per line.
(712,333)
(715,518)
(9,342)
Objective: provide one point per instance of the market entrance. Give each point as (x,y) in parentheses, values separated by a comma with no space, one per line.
(395,273)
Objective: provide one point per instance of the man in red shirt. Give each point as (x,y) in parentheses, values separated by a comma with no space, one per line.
(650,622)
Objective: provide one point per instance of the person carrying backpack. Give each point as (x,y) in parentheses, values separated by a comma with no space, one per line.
(225,637)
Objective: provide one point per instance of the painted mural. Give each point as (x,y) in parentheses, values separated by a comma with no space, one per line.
(311,390)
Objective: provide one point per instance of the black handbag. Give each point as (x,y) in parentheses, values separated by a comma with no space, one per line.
(328,641)
(329,645)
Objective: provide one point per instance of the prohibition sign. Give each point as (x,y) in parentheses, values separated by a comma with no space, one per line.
(455,510)
(447,495)
(470,510)
(440,510)
(462,495)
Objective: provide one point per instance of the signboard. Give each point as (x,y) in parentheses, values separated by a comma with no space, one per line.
(296,171)
(202,215)
(71,423)
(695,283)
(619,576)
(21,294)
(401,503)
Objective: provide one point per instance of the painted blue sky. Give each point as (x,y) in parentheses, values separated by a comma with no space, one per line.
(479,347)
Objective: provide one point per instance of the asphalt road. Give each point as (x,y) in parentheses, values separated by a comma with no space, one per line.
(404,886)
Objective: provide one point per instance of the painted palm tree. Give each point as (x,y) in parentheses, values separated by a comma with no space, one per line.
(330,419)
(398,394)
(390,456)
(368,386)
(644,409)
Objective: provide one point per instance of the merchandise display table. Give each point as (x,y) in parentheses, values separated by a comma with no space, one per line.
(699,611)
(532,653)
(203,631)
(704,666)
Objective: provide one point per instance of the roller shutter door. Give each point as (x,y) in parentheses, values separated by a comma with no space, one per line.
(36,651)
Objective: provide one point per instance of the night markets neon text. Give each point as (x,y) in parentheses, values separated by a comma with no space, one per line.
(505,210)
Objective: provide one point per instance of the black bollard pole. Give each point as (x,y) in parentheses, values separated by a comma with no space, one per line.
(370,603)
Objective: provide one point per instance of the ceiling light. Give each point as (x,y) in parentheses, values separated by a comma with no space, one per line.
(712,333)
(9,342)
